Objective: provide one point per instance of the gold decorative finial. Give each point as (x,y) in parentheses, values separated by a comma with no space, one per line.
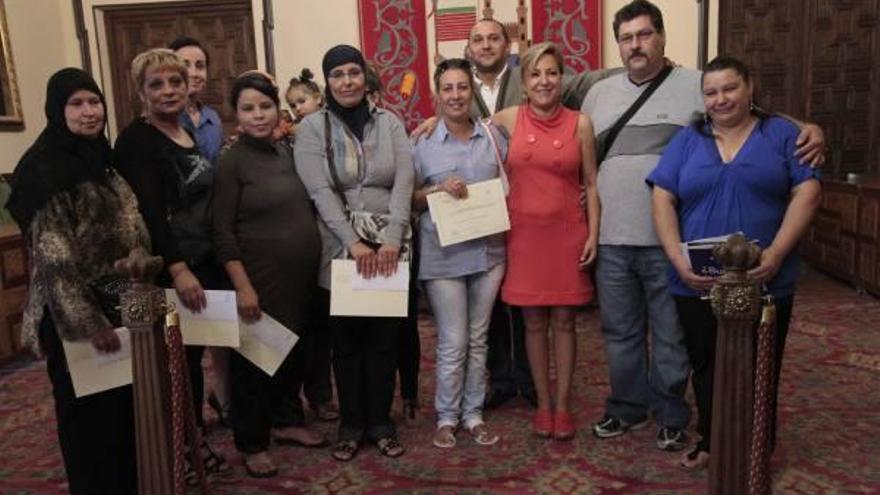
(737,254)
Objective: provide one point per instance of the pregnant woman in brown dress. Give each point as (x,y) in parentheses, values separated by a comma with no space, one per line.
(267,239)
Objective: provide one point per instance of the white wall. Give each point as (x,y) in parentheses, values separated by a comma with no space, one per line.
(40,40)
(304,30)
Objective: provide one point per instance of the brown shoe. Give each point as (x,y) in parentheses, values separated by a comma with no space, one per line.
(483,435)
(259,465)
(298,435)
(390,447)
(345,450)
(327,411)
(444,437)
(695,459)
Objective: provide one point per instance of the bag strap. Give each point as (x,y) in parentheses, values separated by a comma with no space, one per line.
(615,129)
(328,149)
(502,173)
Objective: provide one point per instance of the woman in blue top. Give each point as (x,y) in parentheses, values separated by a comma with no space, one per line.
(462,279)
(731,172)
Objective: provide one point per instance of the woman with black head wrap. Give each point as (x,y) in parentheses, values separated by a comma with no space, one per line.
(77,216)
(370,170)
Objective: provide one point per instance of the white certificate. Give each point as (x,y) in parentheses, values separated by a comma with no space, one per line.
(266,343)
(92,371)
(216,325)
(482,213)
(345,300)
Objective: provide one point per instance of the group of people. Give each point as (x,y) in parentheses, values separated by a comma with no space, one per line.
(612,169)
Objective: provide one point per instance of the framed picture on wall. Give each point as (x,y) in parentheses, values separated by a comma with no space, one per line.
(11,116)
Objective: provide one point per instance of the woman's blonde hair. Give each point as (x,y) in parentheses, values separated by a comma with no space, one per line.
(535,52)
(155,58)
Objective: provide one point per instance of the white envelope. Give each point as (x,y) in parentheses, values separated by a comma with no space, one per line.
(346,301)
(216,325)
(92,371)
(266,343)
(397,282)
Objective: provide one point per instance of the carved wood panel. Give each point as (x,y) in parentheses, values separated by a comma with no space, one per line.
(767,35)
(224,27)
(13,290)
(843,49)
(816,60)
(869,238)
(831,241)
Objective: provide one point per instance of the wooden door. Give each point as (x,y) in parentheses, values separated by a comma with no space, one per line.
(843,40)
(224,27)
(816,60)
(767,36)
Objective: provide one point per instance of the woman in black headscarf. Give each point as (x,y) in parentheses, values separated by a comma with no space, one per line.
(77,216)
(370,171)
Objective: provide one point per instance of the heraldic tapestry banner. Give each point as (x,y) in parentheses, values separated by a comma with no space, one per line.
(393,39)
(576,25)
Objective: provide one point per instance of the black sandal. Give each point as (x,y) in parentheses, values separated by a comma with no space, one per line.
(215,465)
(345,450)
(390,447)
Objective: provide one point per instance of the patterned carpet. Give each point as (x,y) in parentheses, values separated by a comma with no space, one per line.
(829,439)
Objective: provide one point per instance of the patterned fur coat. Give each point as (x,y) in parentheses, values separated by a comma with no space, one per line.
(72,241)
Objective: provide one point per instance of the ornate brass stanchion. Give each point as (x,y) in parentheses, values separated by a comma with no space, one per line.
(143,312)
(736,304)
(165,427)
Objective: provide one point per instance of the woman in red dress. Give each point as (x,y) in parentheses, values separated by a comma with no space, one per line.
(552,238)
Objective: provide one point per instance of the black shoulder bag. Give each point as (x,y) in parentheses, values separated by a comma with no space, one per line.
(615,129)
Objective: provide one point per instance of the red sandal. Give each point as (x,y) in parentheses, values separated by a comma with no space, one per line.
(564,426)
(542,424)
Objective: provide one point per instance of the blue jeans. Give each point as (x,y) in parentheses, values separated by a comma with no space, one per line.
(633,297)
(462,308)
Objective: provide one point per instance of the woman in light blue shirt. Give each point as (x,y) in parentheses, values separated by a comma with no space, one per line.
(462,279)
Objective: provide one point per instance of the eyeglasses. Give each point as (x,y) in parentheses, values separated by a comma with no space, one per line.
(341,74)
(642,35)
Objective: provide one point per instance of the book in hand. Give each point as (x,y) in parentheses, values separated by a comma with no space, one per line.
(699,254)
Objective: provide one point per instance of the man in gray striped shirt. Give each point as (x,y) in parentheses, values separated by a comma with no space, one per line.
(631,268)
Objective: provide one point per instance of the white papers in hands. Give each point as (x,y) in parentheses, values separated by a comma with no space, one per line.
(266,343)
(92,371)
(215,325)
(397,282)
(346,301)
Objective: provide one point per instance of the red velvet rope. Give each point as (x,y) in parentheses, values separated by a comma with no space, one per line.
(759,456)
(183,420)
